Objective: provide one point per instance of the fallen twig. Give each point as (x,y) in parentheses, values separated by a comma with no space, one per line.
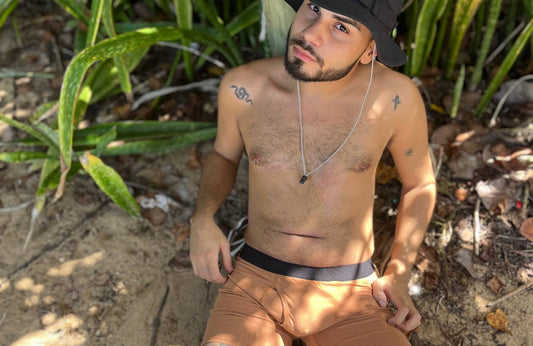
(511,293)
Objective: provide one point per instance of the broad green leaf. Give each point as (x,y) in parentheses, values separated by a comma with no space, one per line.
(29,130)
(161,146)
(110,182)
(22,156)
(104,50)
(133,130)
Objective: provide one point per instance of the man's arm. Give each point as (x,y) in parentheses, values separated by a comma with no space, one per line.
(409,148)
(218,177)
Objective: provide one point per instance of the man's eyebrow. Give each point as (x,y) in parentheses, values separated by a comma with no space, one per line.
(347,20)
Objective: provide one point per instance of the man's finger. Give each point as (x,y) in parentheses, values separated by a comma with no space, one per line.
(412,322)
(226,257)
(400,316)
(378,294)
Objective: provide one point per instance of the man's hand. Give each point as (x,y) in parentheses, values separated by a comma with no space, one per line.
(207,241)
(395,288)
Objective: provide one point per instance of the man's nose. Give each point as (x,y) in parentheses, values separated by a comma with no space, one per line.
(314,33)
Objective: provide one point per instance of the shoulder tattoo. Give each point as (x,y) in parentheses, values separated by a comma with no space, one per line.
(409,152)
(396,101)
(242,94)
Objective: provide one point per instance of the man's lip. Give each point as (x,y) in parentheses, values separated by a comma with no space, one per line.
(301,54)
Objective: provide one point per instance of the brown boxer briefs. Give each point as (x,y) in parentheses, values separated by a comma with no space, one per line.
(270,302)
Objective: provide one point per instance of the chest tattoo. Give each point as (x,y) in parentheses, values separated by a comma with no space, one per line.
(409,152)
(242,94)
(396,101)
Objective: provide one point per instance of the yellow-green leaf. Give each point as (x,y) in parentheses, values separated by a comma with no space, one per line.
(110,182)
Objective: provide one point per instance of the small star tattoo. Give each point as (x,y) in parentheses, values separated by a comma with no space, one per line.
(409,152)
(242,94)
(396,101)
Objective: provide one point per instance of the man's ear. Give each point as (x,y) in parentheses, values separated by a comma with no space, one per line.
(370,53)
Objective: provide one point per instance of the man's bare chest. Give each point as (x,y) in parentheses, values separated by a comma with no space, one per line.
(272,139)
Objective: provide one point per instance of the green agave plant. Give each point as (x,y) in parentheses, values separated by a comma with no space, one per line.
(101,69)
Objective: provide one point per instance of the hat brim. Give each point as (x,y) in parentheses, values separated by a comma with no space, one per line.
(389,53)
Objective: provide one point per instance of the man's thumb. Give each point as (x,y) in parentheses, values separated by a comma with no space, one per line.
(226,257)
(378,294)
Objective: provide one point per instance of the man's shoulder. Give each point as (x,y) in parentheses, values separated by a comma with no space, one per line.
(395,80)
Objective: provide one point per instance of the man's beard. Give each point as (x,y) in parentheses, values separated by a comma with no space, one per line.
(294,68)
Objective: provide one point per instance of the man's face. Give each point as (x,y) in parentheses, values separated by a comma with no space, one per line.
(324,46)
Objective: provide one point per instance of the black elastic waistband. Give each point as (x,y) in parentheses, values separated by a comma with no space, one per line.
(339,273)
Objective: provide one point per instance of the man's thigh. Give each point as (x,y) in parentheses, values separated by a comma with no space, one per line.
(237,319)
(369,328)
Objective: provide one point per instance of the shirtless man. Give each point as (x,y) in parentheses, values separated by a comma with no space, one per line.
(314,125)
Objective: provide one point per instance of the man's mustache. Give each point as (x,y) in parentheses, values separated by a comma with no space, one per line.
(308,48)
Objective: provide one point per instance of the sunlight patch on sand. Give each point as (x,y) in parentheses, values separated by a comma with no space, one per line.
(68,267)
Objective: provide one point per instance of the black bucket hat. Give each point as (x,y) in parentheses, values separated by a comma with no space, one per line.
(379,16)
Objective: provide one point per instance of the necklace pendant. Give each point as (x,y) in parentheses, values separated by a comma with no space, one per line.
(304,179)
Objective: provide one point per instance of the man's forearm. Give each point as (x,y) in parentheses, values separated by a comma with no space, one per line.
(414,214)
(218,178)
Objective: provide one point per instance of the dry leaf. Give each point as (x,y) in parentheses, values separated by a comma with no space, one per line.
(499,321)
(461,194)
(445,134)
(527,228)
(495,284)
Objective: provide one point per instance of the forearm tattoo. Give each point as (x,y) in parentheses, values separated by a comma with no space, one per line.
(409,152)
(396,101)
(242,94)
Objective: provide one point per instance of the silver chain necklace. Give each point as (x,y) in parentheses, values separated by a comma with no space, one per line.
(306,174)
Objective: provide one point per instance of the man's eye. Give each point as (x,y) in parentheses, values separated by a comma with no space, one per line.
(314,8)
(342,28)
